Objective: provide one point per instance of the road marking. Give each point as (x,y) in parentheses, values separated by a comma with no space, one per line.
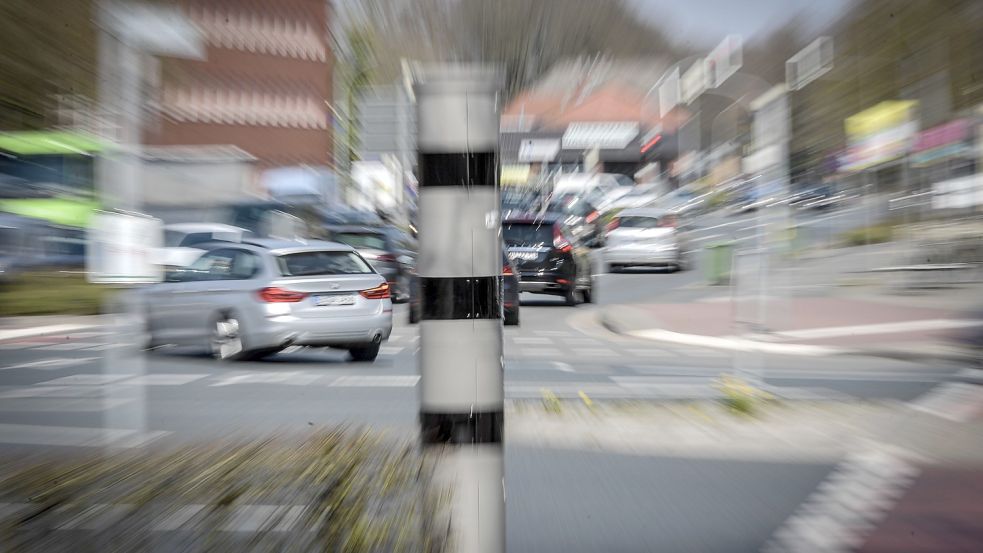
(162,379)
(842,511)
(650,352)
(391,350)
(594,352)
(85,380)
(954,401)
(541,352)
(54,363)
(67,346)
(560,366)
(15,333)
(392,381)
(882,328)
(531,340)
(69,405)
(293,378)
(178,518)
(75,436)
(552,332)
(52,391)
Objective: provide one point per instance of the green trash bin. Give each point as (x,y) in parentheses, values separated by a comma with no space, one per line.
(719,257)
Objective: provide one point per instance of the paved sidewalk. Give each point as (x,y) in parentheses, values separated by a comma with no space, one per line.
(854,320)
(14,328)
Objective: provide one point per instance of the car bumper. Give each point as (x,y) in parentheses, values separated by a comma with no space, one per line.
(545,284)
(317,332)
(640,257)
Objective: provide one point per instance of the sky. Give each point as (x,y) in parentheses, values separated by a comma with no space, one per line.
(705,22)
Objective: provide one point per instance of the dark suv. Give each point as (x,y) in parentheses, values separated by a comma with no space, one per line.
(549,258)
(390,251)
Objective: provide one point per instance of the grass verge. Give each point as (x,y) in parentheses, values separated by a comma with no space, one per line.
(334,491)
(51,293)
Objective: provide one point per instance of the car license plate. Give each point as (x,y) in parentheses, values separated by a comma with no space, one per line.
(334,299)
(522,256)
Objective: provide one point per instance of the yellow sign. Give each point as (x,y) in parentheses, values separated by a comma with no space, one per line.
(514,174)
(885,115)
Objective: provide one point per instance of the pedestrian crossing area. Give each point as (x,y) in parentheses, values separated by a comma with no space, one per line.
(538,344)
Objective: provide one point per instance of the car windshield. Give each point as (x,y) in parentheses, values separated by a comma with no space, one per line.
(322,263)
(527,234)
(369,240)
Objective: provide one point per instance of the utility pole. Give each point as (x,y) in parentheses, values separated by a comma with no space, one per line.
(460,266)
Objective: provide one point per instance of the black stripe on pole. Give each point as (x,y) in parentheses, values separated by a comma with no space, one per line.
(462,428)
(474,169)
(444,299)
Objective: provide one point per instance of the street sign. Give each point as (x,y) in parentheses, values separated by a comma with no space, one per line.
(810,63)
(669,92)
(538,150)
(725,60)
(154,29)
(693,82)
(122,249)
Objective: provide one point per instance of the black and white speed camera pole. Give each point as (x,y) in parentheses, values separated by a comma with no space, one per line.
(459,264)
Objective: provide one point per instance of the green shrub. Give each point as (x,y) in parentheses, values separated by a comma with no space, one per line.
(51,293)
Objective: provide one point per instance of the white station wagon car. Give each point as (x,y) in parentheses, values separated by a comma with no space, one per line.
(252,299)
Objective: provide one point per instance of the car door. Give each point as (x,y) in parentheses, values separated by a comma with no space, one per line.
(226,285)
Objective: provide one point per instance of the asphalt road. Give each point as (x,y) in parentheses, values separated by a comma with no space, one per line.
(59,392)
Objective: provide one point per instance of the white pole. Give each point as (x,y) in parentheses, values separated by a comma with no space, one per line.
(118,174)
(460,263)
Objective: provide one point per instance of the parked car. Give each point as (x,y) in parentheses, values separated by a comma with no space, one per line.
(600,189)
(549,258)
(640,196)
(644,237)
(580,216)
(255,298)
(390,251)
(509,289)
(181,239)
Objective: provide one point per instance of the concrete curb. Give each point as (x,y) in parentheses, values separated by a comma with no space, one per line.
(8,334)
(610,322)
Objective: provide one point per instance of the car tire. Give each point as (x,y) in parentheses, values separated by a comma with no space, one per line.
(366,353)
(414,315)
(225,341)
(511,317)
(588,294)
(571,296)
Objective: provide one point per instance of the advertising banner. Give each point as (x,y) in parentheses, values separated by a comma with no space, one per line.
(879,134)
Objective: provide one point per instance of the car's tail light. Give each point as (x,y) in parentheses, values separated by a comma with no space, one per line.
(668,221)
(273,294)
(613,224)
(387,257)
(507,270)
(380,292)
(560,242)
(593,216)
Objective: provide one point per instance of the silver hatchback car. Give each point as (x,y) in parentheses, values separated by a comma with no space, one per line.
(252,299)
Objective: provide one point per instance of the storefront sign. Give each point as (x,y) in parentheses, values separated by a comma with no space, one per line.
(538,150)
(941,142)
(725,60)
(693,82)
(607,136)
(879,134)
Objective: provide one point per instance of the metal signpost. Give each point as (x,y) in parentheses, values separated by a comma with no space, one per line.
(460,263)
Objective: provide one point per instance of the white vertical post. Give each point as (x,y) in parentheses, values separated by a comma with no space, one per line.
(460,266)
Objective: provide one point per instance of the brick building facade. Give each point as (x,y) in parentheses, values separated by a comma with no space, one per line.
(262,88)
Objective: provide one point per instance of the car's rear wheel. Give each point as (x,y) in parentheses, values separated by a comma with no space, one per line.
(364,353)
(414,314)
(511,317)
(571,296)
(588,294)
(226,342)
